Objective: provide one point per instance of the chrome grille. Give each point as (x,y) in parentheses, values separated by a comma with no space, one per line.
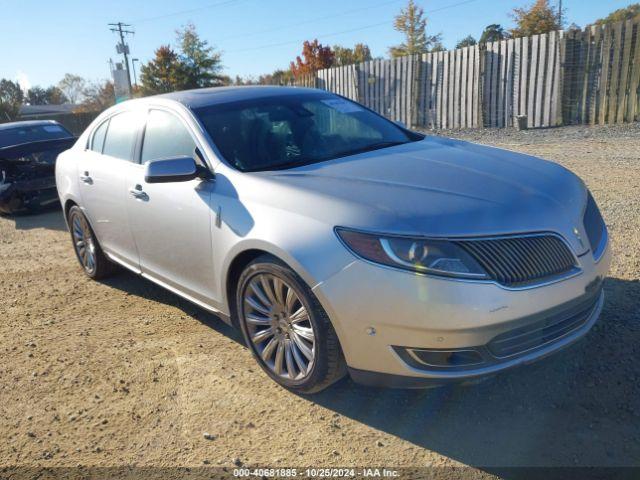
(518,261)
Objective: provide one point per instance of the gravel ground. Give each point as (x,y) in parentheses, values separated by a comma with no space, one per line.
(124,373)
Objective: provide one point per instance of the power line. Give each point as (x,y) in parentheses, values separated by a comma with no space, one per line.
(333,34)
(313,20)
(120,28)
(184,12)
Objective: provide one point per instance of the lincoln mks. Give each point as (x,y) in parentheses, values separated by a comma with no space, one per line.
(338,241)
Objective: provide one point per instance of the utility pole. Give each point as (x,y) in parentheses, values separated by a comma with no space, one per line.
(133,66)
(560,13)
(120,28)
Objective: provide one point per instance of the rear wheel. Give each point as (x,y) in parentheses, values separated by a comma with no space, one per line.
(91,257)
(286,328)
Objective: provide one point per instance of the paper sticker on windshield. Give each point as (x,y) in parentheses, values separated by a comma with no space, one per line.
(52,128)
(342,105)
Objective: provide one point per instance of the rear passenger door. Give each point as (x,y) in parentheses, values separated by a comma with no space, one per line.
(171,222)
(102,172)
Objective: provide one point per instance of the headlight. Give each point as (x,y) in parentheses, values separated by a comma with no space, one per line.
(437,257)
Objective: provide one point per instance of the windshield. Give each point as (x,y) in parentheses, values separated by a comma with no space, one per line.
(290,131)
(32,133)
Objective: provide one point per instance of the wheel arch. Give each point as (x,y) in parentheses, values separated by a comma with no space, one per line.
(240,258)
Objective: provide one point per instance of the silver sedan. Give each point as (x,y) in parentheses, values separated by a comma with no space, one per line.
(335,239)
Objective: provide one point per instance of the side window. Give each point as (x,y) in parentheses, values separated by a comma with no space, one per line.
(121,136)
(97,141)
(165,137)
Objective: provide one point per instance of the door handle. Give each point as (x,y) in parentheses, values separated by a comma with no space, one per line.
(85,178)
(138,193)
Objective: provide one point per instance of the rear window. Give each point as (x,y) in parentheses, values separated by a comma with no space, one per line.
(32,133)
(121,136)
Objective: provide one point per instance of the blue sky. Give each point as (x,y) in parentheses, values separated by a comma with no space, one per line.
(42,40)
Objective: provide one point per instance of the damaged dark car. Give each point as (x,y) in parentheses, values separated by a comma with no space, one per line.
(28,152)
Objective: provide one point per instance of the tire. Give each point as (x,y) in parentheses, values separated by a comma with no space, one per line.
(263,280)
(86,247)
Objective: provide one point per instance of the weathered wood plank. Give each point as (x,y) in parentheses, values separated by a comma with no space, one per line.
(548,97)
(541,87)
(533,76)
(614,86)
(508,99)
(595,69)
(524,76)
(604,77)
(463,86)
(624,72)
(632,101)
(477,89)
(515,81)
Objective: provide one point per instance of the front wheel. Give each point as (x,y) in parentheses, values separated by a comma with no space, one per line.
(286,328)
(91,257)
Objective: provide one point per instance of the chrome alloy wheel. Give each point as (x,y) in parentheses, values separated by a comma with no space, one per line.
(279,326)
(83,242)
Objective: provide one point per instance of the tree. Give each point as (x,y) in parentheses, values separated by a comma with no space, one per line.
(165,73)
(632,12)
(11,98)
(467,41)
(55,96)
(348,56)
(537,18)
(316,57)
(72,86)
(36,96)
(202,64)
(278,77)
(493,33)
(98,96)
(413,24)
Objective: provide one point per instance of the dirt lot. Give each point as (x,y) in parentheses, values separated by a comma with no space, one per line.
(125,373)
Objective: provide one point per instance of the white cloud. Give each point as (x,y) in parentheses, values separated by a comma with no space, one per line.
(23,80)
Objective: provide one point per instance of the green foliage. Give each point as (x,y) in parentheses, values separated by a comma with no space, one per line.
(467,41)
(55,96)
(72,86)
(413,24)
(11,98)
(278,77)
(50,96)
(201,64)
(348,56)
(537,18)
(36,96)
(195,65)
(493,33)
(632,12)
(163,74)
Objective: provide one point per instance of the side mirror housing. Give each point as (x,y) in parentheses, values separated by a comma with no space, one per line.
(165,170)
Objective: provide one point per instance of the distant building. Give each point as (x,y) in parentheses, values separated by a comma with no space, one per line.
(33,112)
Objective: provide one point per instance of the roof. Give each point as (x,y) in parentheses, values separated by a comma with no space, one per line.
(204,97)
(26,123)
(37,110)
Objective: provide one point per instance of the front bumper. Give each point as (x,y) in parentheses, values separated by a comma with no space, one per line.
(380,314)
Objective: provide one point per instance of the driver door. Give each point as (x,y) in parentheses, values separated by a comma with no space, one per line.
(171,222)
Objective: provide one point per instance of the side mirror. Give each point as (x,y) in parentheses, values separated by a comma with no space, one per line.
(165,170)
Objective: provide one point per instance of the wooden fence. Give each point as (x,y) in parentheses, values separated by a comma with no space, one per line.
(589,76)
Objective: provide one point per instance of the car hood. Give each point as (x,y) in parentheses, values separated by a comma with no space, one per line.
(437,187)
